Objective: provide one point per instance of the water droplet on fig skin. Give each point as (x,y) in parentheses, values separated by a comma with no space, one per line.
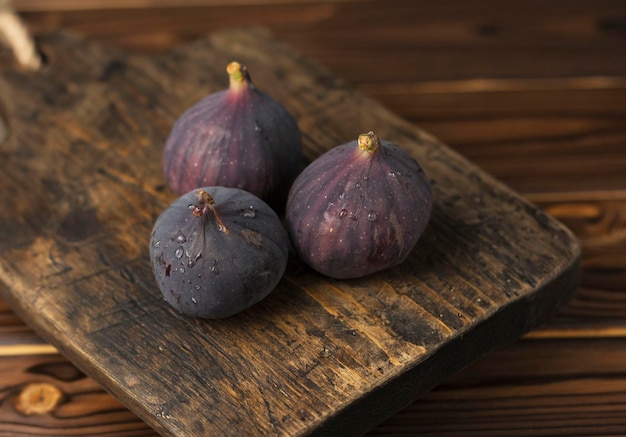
(181,270)
(250,212)
(179,253)
(343,213)
(371,216)
(156,243)
(193,299)
(179,237)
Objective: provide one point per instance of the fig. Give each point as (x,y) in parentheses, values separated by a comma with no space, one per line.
(238,137)
(359,208)
(216,251)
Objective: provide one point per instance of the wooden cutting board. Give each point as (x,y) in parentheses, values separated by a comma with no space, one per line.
(81,183)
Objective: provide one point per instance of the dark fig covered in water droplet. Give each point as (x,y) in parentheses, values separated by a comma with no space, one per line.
(238,137)
(358,209)
(216,251)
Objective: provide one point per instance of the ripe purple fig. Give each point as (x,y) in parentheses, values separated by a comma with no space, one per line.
(238,137)
(216,251)
(359,208)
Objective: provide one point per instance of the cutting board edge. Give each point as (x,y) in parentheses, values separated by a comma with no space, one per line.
(350,419)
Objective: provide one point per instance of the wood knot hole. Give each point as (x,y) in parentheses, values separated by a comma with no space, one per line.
(38,398)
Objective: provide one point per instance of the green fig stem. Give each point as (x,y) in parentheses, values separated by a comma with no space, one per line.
(204,203)
(369,142)
(239,76)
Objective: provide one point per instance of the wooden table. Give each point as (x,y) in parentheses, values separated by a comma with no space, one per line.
(533,92)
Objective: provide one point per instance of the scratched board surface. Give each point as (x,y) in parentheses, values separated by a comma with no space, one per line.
(82,184)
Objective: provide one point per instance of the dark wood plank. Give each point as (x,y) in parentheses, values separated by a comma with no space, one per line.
(409,39)
(534,135)
(569,388)
(316,356)
(13,330)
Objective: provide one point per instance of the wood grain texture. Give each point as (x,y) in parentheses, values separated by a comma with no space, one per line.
(316,356)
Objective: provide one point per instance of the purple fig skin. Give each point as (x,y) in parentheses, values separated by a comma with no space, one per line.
(216,251)
(238,137)
(358,209)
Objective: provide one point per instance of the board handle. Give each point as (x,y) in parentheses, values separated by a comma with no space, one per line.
(14,33)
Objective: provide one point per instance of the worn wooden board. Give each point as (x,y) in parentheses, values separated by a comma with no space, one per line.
(81,187)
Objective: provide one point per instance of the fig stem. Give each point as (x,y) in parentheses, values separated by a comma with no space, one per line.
(369,142)
(239,75)
(204,203)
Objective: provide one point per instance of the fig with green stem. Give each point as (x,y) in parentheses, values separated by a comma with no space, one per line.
(358,208)
(238,137)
